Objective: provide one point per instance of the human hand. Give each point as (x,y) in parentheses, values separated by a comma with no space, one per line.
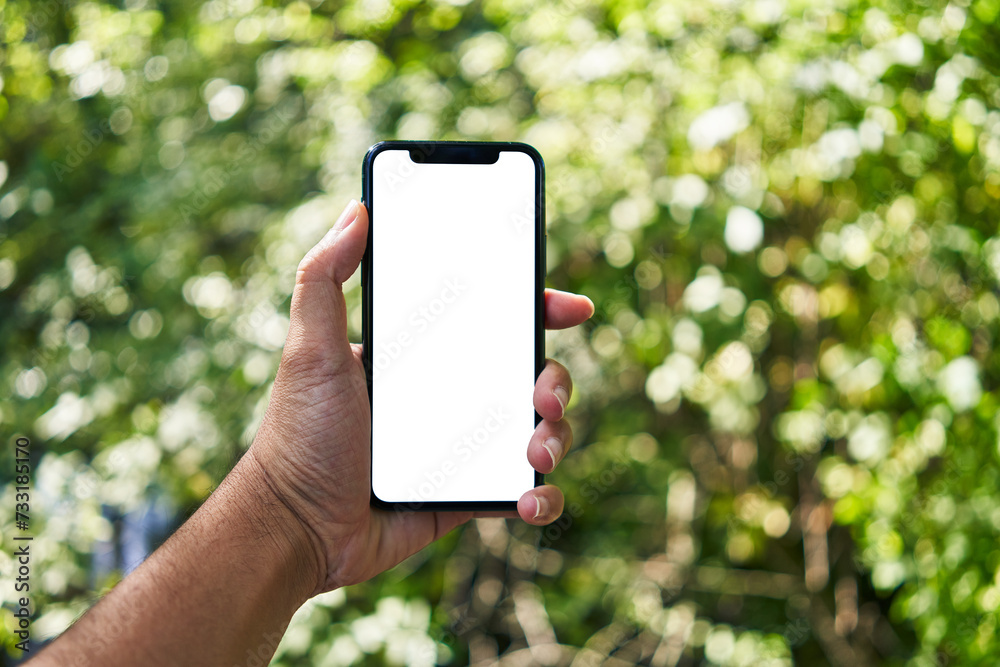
(313,446)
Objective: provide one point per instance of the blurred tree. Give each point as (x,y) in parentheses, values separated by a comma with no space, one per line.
(785,212)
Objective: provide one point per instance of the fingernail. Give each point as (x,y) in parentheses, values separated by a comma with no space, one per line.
(593,308)
(541,506)
(563,397)
(554,447)
(349,215)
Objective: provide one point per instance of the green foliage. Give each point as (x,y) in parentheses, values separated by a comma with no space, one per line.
(785,405)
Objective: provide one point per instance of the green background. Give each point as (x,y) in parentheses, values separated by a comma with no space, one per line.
(785,212)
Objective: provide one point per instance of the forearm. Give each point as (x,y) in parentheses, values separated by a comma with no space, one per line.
(226,582)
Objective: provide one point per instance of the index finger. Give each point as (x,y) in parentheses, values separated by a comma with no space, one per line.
(566,309)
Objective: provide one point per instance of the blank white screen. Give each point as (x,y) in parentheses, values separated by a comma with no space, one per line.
(453,299)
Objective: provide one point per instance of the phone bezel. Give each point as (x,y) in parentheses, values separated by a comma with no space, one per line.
(452,152)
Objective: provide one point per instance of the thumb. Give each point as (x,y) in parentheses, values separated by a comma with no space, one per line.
(317,331)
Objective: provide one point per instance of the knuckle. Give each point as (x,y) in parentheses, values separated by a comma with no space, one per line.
(310,269)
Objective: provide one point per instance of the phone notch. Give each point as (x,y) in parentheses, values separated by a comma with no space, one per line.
(452,154)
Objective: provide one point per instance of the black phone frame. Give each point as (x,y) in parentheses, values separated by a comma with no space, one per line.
(452,152)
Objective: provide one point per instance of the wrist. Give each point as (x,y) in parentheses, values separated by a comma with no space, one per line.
(279,529)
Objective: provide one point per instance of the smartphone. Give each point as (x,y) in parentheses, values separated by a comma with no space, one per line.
(453,317)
